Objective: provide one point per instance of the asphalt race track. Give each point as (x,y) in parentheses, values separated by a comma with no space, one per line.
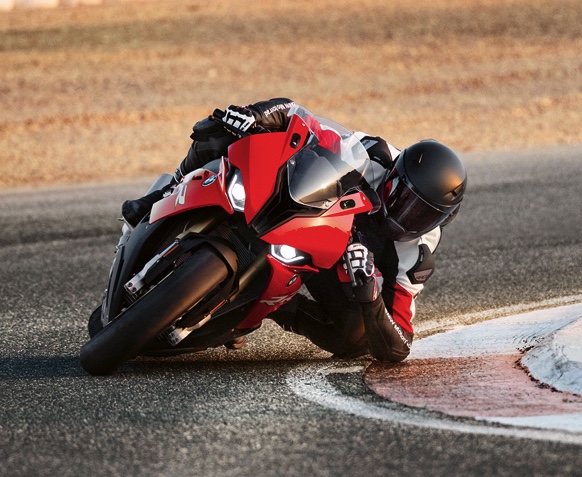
(242,413)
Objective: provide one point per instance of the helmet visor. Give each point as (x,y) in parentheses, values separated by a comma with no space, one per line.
(407,215)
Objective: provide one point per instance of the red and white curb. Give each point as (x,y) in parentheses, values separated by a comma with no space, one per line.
(471,379)
(508,370)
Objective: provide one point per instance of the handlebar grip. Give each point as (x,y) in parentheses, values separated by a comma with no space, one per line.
(218,114)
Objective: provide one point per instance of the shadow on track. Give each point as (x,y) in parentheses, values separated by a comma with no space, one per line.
(39,367)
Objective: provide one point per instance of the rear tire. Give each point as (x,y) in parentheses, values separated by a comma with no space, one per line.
(133,329)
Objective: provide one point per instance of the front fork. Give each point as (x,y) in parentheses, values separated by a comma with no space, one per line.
(175,334)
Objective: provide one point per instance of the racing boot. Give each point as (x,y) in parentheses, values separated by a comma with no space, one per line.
(135,210)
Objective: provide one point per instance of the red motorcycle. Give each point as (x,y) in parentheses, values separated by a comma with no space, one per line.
(232,243)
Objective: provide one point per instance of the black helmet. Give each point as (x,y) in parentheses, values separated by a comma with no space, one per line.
(424,189)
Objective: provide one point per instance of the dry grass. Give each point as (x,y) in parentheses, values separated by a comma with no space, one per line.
(99,93)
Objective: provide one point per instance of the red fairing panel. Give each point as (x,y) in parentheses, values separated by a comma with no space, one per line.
(201,188)
(284,283)
(361,204)
(259,157)
(326,237)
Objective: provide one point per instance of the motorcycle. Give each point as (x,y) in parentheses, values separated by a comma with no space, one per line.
(232,242)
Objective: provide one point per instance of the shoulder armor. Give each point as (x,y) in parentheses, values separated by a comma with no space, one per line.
(424,266)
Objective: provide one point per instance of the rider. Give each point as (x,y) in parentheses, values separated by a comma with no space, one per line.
(369,311)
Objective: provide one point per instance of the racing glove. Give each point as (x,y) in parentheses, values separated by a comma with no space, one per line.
(367,281)
(238,119)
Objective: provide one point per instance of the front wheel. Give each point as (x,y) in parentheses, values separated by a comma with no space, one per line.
(133,329)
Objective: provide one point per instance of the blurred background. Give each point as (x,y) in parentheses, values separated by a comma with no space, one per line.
(109,90)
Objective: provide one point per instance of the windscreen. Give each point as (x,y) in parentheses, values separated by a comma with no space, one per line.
(331,163)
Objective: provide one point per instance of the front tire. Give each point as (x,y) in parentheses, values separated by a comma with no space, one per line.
(135,327)
(95,326)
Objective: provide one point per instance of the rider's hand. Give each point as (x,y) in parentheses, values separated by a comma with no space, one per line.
(361,261)
(368,280)
(239,118)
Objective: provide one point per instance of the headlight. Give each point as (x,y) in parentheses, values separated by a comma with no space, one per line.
(289,255)
(236,192)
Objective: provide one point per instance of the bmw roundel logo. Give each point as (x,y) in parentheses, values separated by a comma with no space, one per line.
(209,181)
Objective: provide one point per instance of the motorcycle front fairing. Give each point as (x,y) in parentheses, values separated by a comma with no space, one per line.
(314,233)
(306,197)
